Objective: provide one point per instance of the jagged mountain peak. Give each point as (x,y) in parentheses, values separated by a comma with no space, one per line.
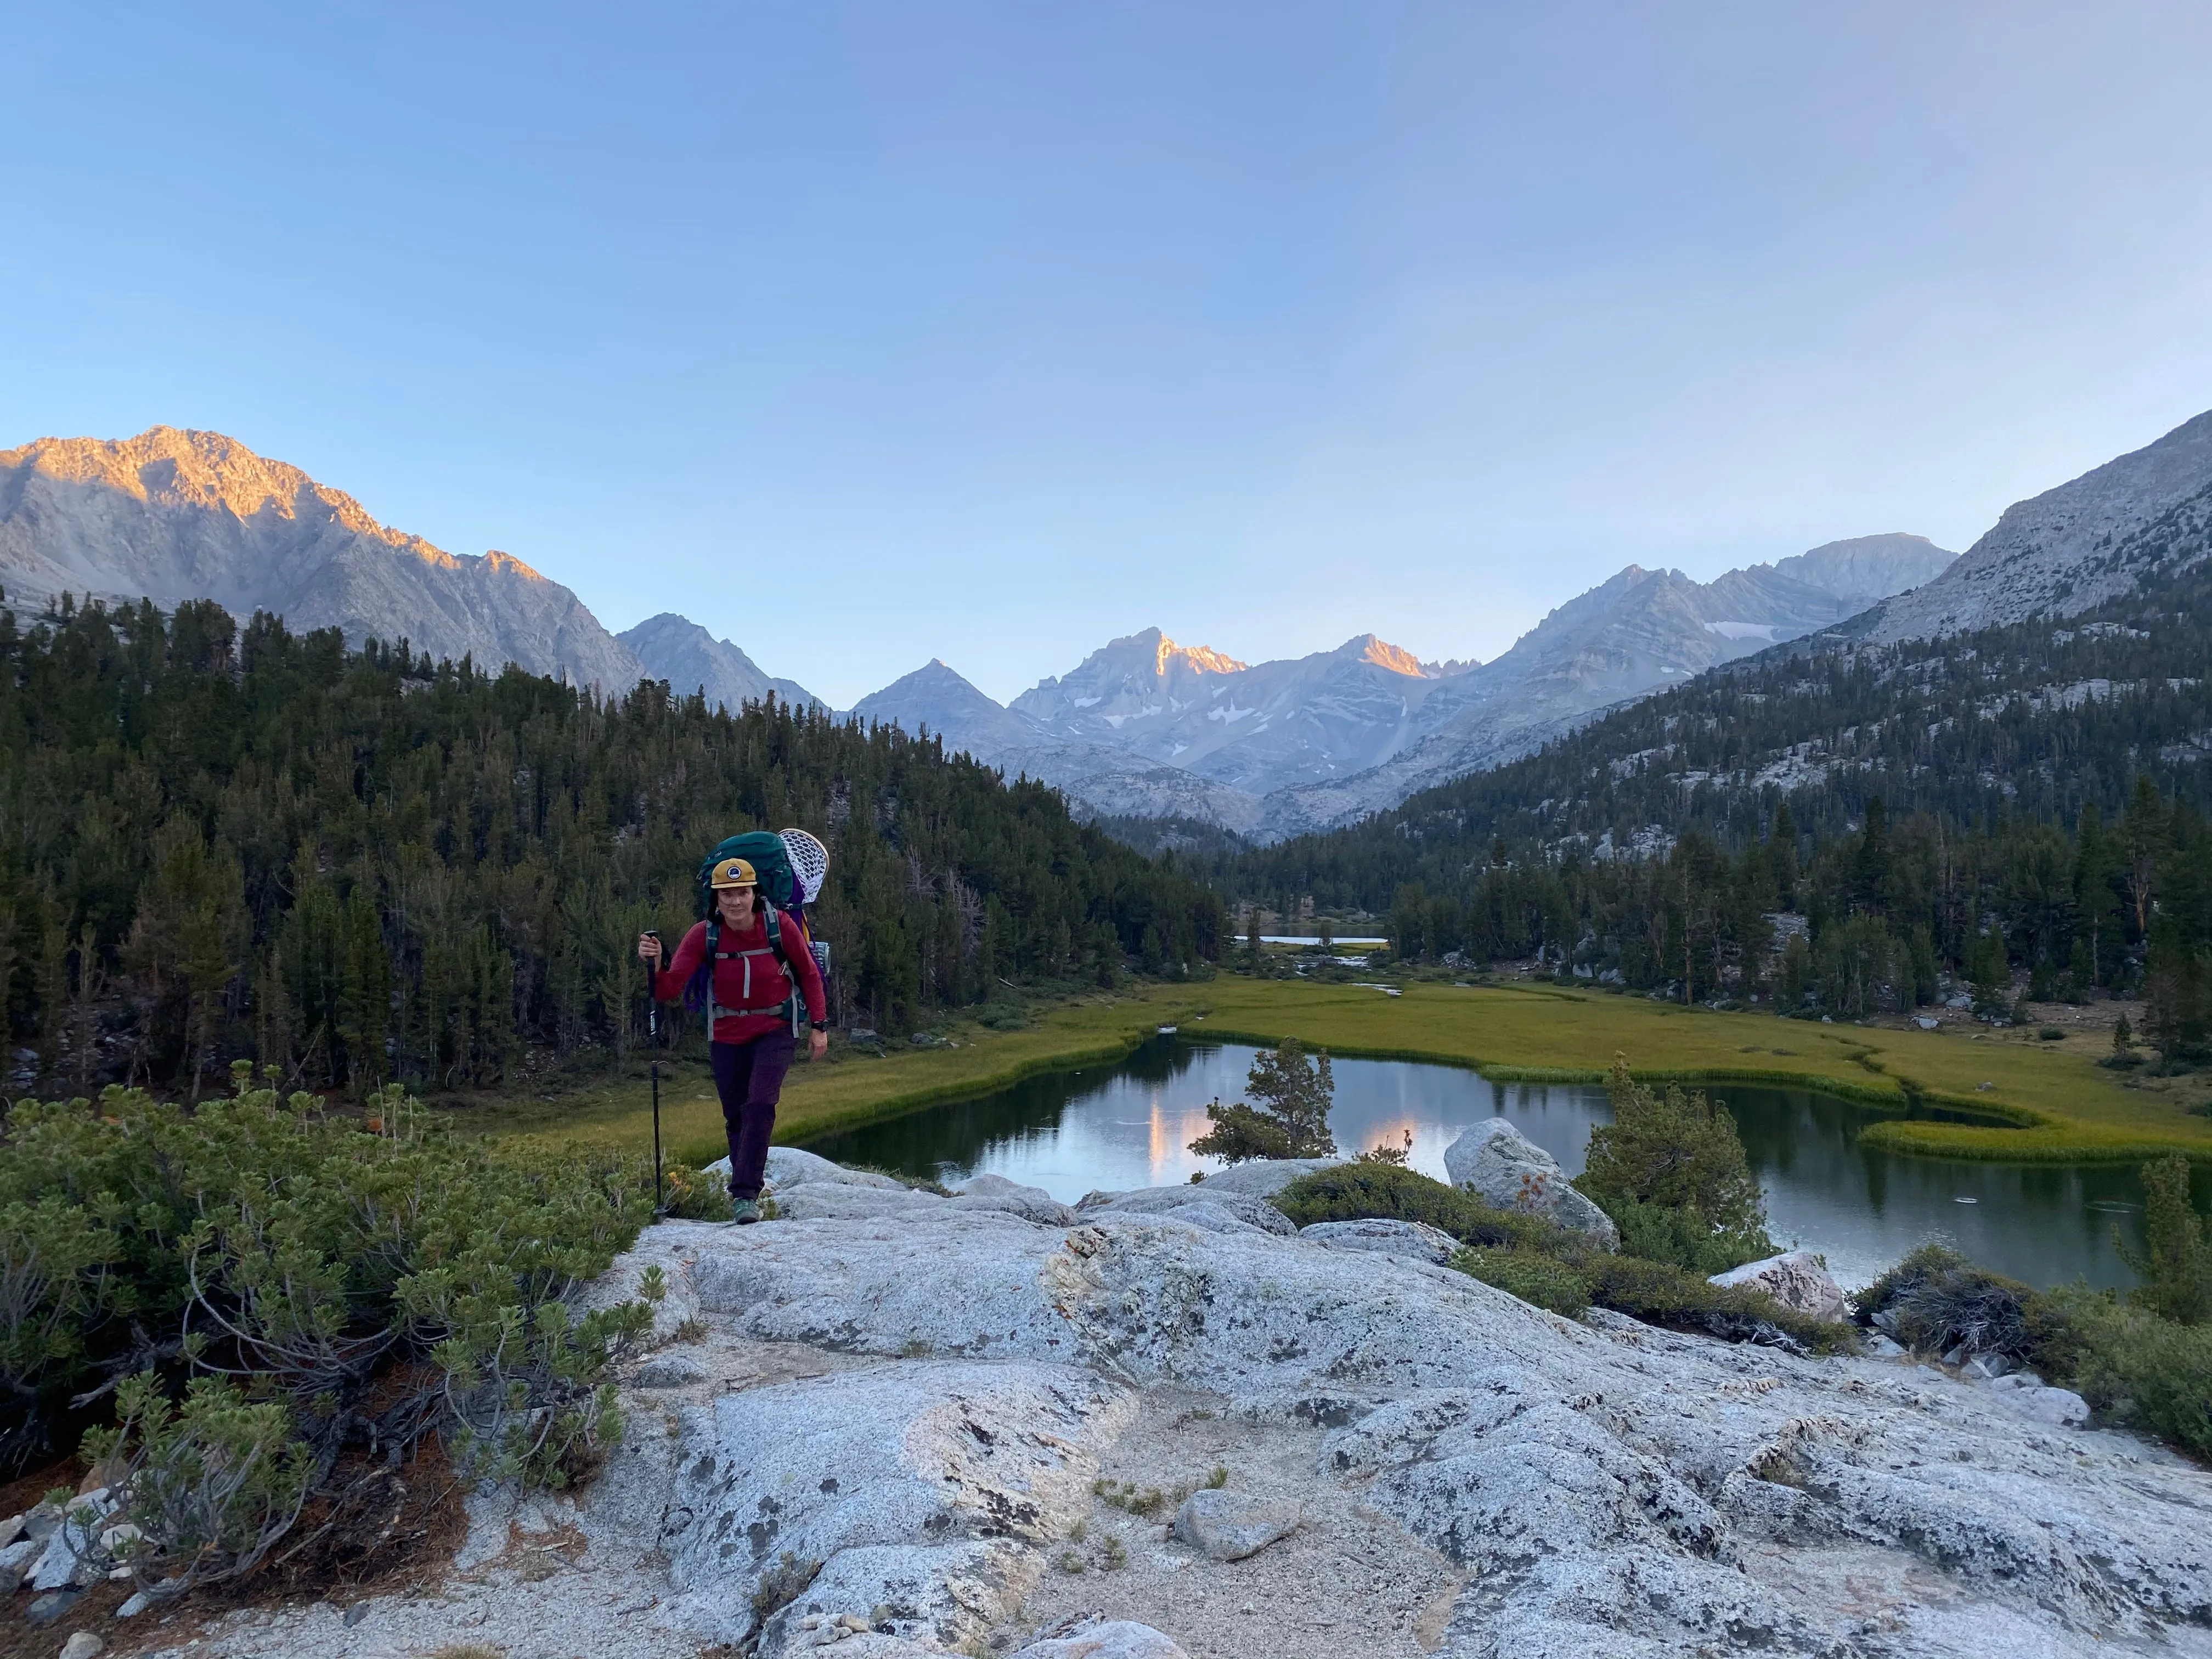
(675,648)
(1367,647)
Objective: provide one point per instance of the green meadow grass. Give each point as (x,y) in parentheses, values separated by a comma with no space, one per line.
(2044,1101)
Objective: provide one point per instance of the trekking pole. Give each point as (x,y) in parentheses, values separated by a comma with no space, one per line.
(653,1037)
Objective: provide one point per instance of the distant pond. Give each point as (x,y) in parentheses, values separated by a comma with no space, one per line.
(1130,1124)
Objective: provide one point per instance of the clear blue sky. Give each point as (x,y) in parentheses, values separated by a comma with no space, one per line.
(995,331)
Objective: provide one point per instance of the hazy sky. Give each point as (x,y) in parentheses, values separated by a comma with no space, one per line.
(869,333)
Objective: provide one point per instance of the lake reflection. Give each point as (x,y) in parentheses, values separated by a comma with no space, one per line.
(1120,1127)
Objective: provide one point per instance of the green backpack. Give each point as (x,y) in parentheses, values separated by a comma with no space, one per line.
(771,861)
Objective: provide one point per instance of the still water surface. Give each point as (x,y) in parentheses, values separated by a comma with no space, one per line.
(1130,1124)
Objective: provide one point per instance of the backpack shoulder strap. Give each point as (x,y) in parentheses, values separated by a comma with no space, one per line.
(713,952)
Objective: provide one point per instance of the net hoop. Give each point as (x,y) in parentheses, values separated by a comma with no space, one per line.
(809,863)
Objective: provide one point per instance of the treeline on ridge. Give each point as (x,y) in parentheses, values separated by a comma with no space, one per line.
(2025,802)
(364,866)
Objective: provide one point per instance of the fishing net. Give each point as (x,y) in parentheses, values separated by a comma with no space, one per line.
(809,863)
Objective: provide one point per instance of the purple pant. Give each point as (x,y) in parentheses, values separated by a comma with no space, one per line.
(749,1077)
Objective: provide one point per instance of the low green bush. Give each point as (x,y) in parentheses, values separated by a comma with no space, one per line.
(2131,1365)
(211,1485)
(1660,1293)
(1542,1281)
(690,1196)
(2127,1355)
(1549,1266)
(252,1294)
(1360,1191)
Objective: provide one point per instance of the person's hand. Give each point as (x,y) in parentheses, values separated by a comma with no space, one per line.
(818,1045)
(648,949)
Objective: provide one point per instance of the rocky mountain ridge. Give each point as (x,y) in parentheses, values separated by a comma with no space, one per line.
(677,649)
(171,515)
(1637,633)
(1280,747)
(2059,553)
(1144,727)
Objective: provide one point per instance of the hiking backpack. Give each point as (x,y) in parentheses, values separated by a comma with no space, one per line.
(789,868)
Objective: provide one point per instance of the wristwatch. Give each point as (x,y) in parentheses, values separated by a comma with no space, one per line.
(821,1025)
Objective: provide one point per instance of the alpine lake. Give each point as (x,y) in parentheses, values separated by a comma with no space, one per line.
(1115,1128)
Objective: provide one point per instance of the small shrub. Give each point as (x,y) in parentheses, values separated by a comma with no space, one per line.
(1384,1153)
(1671,1165)
(1362,1192)
(1540,1280)
(1217,1479)
(211,1484)
(1660,1293)
(691,1196)
(1939,1300)
(2152,1373)
(2051,1034)
(2177,1268)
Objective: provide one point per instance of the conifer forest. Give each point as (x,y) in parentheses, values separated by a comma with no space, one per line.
(365,867)
(1837,830)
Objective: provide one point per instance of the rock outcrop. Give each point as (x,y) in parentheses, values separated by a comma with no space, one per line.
(1507,1171)
(2061,552)
(1795,1278)
(901,1426)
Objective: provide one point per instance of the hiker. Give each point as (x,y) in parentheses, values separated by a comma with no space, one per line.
(751,1010)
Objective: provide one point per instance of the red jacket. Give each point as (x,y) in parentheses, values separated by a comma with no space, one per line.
(759,984)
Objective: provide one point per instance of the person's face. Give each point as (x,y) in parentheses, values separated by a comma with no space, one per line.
(737,903)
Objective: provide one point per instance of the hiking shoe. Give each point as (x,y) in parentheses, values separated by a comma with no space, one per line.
(748,1211)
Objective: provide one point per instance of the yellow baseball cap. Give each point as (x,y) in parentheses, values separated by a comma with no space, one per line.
(733,873)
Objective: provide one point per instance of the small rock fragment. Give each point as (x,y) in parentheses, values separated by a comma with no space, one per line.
(44,1609)
(1987,1367)
(83,1644)
(58,1563)
(1229,1526)
(137,1603)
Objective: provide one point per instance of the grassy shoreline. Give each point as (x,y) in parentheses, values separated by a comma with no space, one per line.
(2033,1103)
